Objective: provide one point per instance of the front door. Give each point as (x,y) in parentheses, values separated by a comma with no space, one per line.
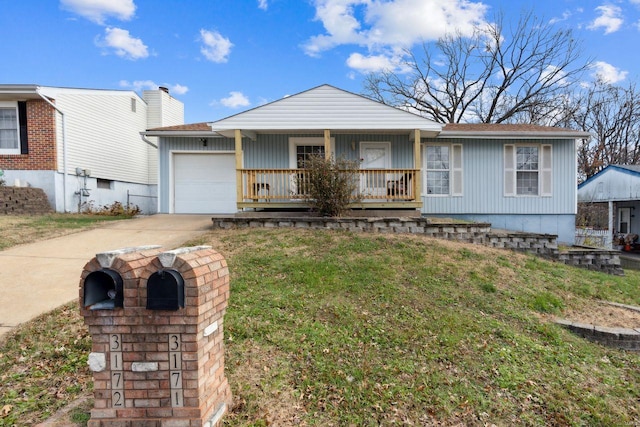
(374,155)
(624,220)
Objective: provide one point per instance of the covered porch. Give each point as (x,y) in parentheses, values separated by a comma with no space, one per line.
(271,142)
(285,188)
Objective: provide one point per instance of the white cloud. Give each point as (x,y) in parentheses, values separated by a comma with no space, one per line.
(396,23)
(608,73)
(235,100)
(565,15)
(386,27)
(374,63)
(123,44)
(262,4)
(99,10)
(140,85)
(178,89)
(216,48)
(610,19)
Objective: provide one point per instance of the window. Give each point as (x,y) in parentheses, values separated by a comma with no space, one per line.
(103,183)
(13,128)
(304,151)
(300,148)
(443,169)
(9,129)
(527,170)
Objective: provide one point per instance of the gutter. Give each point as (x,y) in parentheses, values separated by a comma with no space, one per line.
(144,138)
(64,149)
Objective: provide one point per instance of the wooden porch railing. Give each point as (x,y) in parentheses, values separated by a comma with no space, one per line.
(289,185)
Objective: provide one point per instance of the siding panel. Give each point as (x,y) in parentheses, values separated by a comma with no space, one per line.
(483,182)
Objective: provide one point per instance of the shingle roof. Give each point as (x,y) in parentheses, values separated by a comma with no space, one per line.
(492,129)
(198,127)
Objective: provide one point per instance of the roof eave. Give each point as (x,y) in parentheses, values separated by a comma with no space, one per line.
(514,135)
(184,133)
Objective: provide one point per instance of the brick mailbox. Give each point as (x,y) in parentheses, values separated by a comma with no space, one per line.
(156,319)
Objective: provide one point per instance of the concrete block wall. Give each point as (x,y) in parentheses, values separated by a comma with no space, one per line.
(23,201)
(622,338)
(160,368)
(544,245)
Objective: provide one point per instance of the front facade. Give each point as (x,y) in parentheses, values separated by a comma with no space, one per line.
(83,146)
(516,177)
(618,188)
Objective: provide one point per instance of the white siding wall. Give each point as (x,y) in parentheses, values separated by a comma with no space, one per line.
(162,110)
(103,134)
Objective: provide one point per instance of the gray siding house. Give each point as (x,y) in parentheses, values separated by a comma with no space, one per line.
(517,177)
(617,187)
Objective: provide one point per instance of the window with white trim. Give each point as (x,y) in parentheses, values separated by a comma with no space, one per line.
(443,169)
(527,170)
(13,127)
(9,136)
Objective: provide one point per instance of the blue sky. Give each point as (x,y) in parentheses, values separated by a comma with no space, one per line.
(221,57)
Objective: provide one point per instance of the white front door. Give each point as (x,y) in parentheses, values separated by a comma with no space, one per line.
(624,220)
(374,155)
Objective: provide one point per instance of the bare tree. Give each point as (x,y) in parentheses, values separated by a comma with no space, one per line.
(612,115)
(492,76)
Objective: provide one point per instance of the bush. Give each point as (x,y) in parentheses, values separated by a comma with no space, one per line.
(330,185)
(115,209)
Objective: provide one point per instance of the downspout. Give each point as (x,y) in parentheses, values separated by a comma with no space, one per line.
(144,138)
(64,150)
(151,143)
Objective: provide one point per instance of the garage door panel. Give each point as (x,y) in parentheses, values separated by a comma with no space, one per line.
(204,183)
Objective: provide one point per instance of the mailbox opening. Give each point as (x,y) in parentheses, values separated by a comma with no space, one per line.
(165,290)
(103,290)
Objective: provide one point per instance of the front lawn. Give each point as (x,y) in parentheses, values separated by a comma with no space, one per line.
(331,328)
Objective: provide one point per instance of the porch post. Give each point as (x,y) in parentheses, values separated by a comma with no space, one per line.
(327,144)
(238,140)
(417,162)
(611,224)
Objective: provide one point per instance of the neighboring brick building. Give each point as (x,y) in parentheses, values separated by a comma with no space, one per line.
(84,145)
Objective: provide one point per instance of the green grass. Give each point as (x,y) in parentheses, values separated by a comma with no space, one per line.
(16,230)
(369,330)
(336,329)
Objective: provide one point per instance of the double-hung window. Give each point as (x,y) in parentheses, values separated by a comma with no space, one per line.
(443,169)
(527,170)
(13,120)
(300,149)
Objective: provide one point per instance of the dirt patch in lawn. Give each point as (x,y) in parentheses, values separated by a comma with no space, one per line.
(605,314)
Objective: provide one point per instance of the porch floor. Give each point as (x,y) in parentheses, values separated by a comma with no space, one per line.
(353,213)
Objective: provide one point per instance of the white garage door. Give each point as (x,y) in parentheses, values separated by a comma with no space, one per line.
(204,183)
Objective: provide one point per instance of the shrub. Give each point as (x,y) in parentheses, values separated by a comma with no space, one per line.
(330,185)
(115,209)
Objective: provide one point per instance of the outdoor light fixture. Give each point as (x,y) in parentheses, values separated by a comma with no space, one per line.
(204,141)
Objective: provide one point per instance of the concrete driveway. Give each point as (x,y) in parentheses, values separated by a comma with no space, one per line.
(38,277)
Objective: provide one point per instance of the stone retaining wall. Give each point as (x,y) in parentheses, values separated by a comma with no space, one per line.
(623,338)
(544,245)
(23,201)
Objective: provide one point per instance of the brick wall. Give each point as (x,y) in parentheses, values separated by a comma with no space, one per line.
(160,368)
(23,201)
(41,129)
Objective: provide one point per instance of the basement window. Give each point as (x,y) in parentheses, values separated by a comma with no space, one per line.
(104,183)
